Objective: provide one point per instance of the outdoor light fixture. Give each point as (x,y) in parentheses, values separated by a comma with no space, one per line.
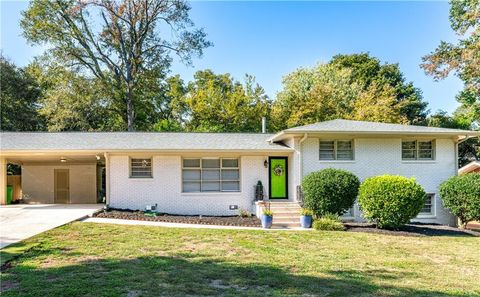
(63,160)
(265,163)
(98,157)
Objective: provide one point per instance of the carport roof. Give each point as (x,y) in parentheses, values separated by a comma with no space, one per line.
(133,141)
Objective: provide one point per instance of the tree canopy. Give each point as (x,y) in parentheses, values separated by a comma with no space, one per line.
(218,103)
(127,46)
(462,58)
(354,86)
(20,95)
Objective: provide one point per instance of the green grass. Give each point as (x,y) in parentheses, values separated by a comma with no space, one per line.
(85,259)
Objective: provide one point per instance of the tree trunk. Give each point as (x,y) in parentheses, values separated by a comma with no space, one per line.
(130,111)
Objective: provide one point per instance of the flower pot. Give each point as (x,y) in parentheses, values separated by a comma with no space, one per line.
(267,221)
(306,221)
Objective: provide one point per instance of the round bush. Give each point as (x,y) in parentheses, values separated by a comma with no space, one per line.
(461,195)
(330,191)
(391,201)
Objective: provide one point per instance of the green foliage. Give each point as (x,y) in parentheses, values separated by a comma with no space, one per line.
(329,222)
(244,213)
(267,212)
(391,201)
(218,103)
(355,87)
(71,101)
(468,150)
(461,195)
(128,49)
(330,191)
(462,58)
(306,212)
(20,95)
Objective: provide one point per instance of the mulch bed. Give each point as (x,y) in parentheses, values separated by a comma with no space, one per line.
(416,229)
(204,220)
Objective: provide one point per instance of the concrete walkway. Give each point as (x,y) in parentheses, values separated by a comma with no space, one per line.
(21,221)
(179,225)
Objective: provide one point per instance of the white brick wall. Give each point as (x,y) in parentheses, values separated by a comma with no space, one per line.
(165,188)
(383,156)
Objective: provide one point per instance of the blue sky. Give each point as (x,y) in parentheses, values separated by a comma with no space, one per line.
(272,38)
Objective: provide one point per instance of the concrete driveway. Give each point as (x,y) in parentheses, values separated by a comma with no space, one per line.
(21,221)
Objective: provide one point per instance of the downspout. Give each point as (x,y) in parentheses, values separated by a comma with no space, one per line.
(300,161)
(107,178)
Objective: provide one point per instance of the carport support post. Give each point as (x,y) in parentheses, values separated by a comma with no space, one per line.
(107,178)
(3,181)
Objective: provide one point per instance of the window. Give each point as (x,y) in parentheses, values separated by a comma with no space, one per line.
(336,149)
(140,168)
(211,175)
(417,150)
(428,206)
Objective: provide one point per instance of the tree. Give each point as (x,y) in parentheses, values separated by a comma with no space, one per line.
(218,103)
(351,87)
(468,150)
(368,71)
(71,101)
(314,94)
(463,58)
(19,99)
(122,48)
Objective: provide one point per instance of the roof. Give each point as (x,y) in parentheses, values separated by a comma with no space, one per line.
(127,141)
(361,127)
(470,167)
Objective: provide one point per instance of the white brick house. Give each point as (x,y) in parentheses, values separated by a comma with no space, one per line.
(216,173)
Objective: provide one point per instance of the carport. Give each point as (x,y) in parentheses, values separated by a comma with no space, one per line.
(55,177)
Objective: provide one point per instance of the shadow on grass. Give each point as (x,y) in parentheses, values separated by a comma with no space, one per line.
(193,276)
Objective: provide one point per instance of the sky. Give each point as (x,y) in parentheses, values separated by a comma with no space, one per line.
(273,38)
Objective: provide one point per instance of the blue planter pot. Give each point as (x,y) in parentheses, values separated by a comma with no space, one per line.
(306,221)
(267,221)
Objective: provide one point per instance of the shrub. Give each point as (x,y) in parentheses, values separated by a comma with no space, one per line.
(329,222)
(268,212)
(330,191)
(391,201)
(243,213)
(461,195)
(306,212)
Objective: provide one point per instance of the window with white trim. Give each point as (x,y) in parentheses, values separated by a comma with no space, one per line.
(140,167)
(428,205)
(418,150)
(336,150)
(210,175)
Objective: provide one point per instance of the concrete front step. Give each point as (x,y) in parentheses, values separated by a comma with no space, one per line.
(285,220)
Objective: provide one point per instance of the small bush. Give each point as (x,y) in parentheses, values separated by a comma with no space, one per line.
(391,201)
(330,191)
(461,195)
(306,212)
(243,213)
(329,222)
(268,212)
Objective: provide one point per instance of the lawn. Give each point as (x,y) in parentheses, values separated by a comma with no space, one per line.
(87,259)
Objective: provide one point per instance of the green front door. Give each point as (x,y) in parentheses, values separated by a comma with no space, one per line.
(278,177)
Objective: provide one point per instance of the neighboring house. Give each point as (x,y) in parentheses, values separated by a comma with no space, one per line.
(216,173)
(473,166)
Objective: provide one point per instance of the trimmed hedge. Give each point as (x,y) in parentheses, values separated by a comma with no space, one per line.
(330,191)
(461,195)
(391,200)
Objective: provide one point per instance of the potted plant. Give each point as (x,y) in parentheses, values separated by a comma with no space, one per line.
(306,218)
(267,218)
